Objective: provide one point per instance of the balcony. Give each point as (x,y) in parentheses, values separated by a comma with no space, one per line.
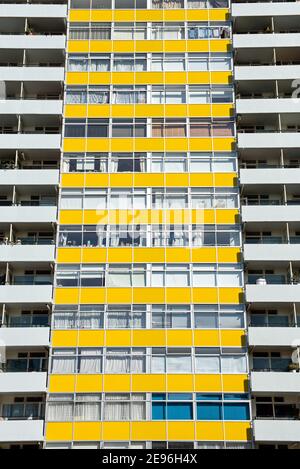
(269,139)
(31,141)
(30,177)
(31,106)
(23,382)
(19,214)
(259,9)
(270,176)
(25,10)
(267,106)
(270,364)
(273,293)
(25,337)
(275,382)
(246,41)
(38,72)
(27,253)
(271,251)
(273,336)
(266,72)
(27,321)
(23,411)
(21,431)
(24,365)
(279,431)
(261,213)
(21,294)
(37,41)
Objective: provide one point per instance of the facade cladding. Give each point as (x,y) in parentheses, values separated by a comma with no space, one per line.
(149,224)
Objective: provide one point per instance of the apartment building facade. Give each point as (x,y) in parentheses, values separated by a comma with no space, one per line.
(148,224)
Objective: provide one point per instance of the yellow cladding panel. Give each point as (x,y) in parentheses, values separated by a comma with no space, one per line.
(147,110)
(116,383)
(89,383)
(147,144)
(148,15)
(118,338)
(87,431)
(208,383)
(138,338)
(152,217)
(238,431)
(235,383)
(229,255)
(147,383)
(91,338)
(64,338)
(146,46)
(183,431)
(116,430)
(178,383)
(69,255)
(148,431)
(62,383)
(149,180)
(179,338)
(150,338)
(233,338)
(146,295)
(92,255)
(142,78)
(69,296)
(59,431)
(209,431)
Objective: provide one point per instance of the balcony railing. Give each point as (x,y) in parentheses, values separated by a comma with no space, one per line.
(35,320)
(23,411)
(260,320)
(14,365)
(271,279)
(271,364)
(32,280)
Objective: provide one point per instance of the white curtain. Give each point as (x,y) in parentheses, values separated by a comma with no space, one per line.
(234,364)
(158,364)
(90,361)
(117,362)
(179,364)
(117,407)
(60,411)
(63,364)
(207,364)
(87,411)
(90,320)
(64,320)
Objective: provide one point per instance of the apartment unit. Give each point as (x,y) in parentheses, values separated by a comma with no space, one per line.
(149,224)
(148,345)
(32,57)
(266,39)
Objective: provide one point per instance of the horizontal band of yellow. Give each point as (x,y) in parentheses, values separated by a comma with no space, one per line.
(148,78)
(148,338)
(144,16)
(148,110)
(147,144)
(161,255)
(148,295)
(149,180)
(146,46)
(148,383)
(152,217)
(148,431)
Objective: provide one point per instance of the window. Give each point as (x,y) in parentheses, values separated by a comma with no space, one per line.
(124,407)
(177,406)
(171,360)
(124,317)
(125,360)
(212,407)
(171,317)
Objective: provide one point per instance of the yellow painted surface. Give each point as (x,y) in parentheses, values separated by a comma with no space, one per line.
(147,110)
(73,255)
(87,431)
(146,46)
(89,383)
(238,431)
(183,431)
(62,383)
(59,431)
(147,144)
(149,431)
(144,78)
(146,295)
